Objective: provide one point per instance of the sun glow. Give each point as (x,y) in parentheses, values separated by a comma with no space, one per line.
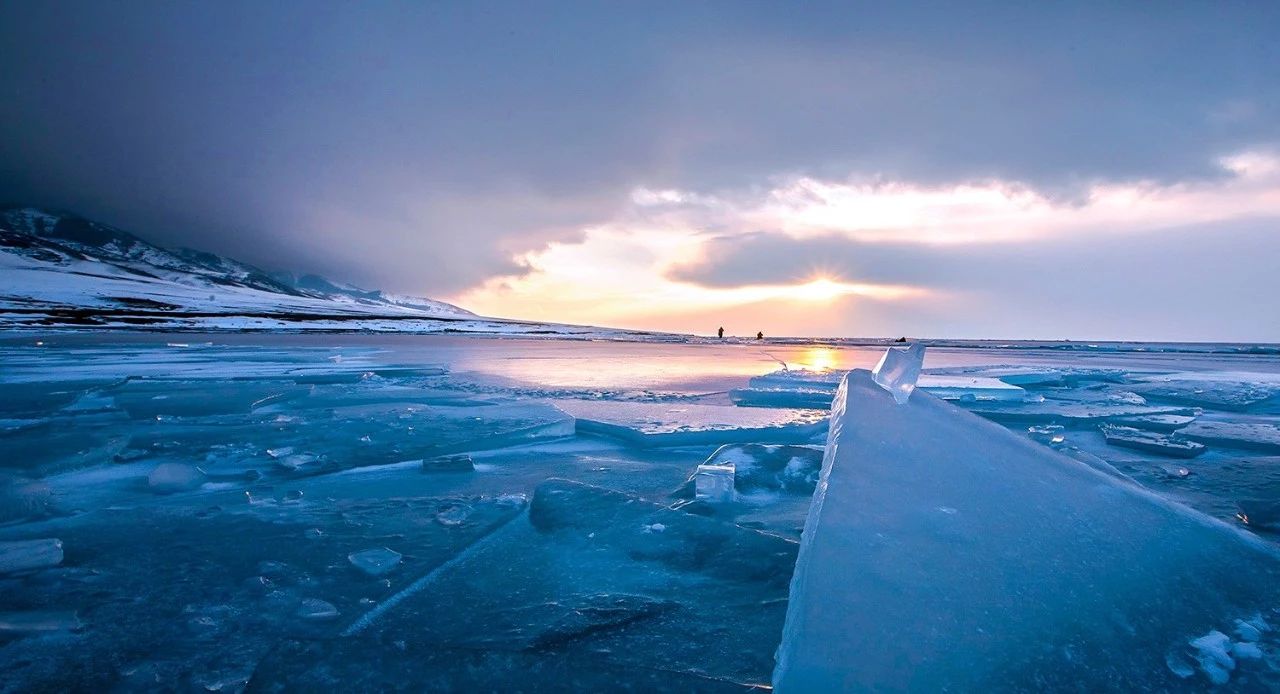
(816,359)
(820,289)
(625,271)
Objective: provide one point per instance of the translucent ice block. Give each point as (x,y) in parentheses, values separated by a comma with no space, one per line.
(944,552)
(27,555)
(1151,441)
(375,562)
(692,424)
(898,371)
(714,483)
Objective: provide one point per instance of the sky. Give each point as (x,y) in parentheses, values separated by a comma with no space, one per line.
(971,170)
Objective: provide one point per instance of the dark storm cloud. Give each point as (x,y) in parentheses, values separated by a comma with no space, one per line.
(419,145)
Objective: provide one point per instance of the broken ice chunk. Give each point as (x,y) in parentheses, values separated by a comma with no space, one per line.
(1213,653)
(1157,422)
(1179,665)
(375,562)
(453,515)
(1235,392)
(1176,471)
(314,609)
(714,483)
(898,371)
(1151,442)
(460,462)
(1246,651)
(757,467)
(778,397)
(296,461)
(22,498)
(25,555)
(967,388)
(1047,433)
(168,478)
(1256,435)
(37,621)
(650,424)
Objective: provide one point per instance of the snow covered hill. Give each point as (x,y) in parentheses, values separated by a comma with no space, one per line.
(62,270)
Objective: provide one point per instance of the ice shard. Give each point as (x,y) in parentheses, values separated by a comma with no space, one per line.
(375,562)
(1170,445)
(898,371)
(944,552)
(714,483)
(28,555)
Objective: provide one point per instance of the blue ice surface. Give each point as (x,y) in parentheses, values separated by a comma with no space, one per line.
(530,506)
(942,552)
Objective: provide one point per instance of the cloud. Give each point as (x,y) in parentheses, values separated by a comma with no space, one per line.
(1142,260)
(425,146)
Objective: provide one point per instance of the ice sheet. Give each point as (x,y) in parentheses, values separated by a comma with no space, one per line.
(1171,445)
(799,387)
(1223,390)
(604,578)
(943,552)
(1253,435)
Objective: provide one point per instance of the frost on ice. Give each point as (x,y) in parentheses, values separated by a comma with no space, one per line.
(898,371)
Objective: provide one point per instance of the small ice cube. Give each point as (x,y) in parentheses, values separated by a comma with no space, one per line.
(25,555)
(714,483)
(898,371)
(375,562)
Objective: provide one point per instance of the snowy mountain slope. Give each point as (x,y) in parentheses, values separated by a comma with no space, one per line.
(61,266)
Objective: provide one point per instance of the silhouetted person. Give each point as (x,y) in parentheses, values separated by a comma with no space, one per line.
(720,333)
(759,336)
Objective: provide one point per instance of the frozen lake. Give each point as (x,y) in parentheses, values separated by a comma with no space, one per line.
(374,510)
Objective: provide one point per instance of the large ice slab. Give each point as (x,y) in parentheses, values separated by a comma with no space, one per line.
(1151,441)
(1222,390)
(806,388)
(1069,412)
(1261,436)
(969,388)
(943,552)
(687,424)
